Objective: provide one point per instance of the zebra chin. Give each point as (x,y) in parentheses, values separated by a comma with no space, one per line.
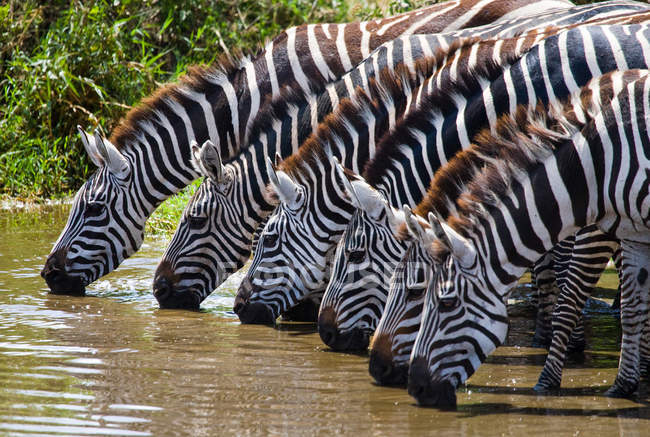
(427,391)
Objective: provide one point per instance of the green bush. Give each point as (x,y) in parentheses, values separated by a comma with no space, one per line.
(64,63)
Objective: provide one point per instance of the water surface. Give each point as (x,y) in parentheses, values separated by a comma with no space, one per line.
(113,364)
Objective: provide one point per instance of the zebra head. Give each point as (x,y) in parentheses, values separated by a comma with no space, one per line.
(103,228)
(364,262)
(294,251)
(398,327)
(461,324)
(205,249)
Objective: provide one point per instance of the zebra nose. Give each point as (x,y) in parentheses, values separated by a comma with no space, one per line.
(384,371)
(304,311)
(252,312)
(428,393)
(354,339)
(56,277)
(162,289)
(327,326)
(243,295)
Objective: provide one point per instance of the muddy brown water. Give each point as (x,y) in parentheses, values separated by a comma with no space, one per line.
(113,364)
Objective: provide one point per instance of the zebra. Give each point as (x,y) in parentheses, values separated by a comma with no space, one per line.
(554,171)
(192,260)
(304,236)
(389,355)
(353,301)
(148,156)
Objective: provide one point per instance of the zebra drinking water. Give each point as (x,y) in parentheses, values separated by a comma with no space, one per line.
(555,171)
(148,157)
(303,234)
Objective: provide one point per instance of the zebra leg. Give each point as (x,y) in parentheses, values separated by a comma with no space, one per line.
(634,316)
(577,341)
(616,305)
(563,256)
(589,257)
(645,351)
(543,277)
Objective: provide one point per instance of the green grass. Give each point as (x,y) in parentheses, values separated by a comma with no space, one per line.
(64,63)
(164,220)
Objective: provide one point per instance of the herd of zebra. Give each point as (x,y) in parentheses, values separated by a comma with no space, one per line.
(395,179)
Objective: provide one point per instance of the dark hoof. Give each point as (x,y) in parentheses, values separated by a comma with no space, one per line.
(385,372)
(620,391)
(546,389)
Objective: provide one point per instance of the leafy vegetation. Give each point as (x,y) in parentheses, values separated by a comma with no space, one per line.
(69,63)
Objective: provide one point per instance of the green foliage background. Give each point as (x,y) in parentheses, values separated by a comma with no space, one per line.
(64,63)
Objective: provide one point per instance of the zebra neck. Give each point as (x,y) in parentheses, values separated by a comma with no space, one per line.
(547,204)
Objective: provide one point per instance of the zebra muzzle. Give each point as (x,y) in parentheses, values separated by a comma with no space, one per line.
(385,371)
(354,339)
(251,312)
(428,392)
(57,279)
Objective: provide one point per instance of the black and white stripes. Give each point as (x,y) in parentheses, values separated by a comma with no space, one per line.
(557,160)
(218,104)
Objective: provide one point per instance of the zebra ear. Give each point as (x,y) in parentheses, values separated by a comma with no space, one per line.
(340,172)
(113,158)
(437,229)
(278,159)
(415,228)
(286,189)
(210,159)
(88,142)
(459,247)
(369,200)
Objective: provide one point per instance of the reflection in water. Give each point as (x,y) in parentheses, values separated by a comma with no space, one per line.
(113,364)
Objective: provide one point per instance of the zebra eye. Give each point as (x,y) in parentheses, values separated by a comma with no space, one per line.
(270,240)
(413,293)
(356,256)
(196,222)
(448,303)
(93,209)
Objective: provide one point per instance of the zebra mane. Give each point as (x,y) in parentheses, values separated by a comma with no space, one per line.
(198,78)
(521,142)
(275,109)
(479,176)
(353,111)
(441,101)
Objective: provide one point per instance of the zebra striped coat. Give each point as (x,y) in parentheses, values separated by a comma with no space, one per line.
(272,285)
(210,244)
(555,171)
(148,157)
(399,324)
